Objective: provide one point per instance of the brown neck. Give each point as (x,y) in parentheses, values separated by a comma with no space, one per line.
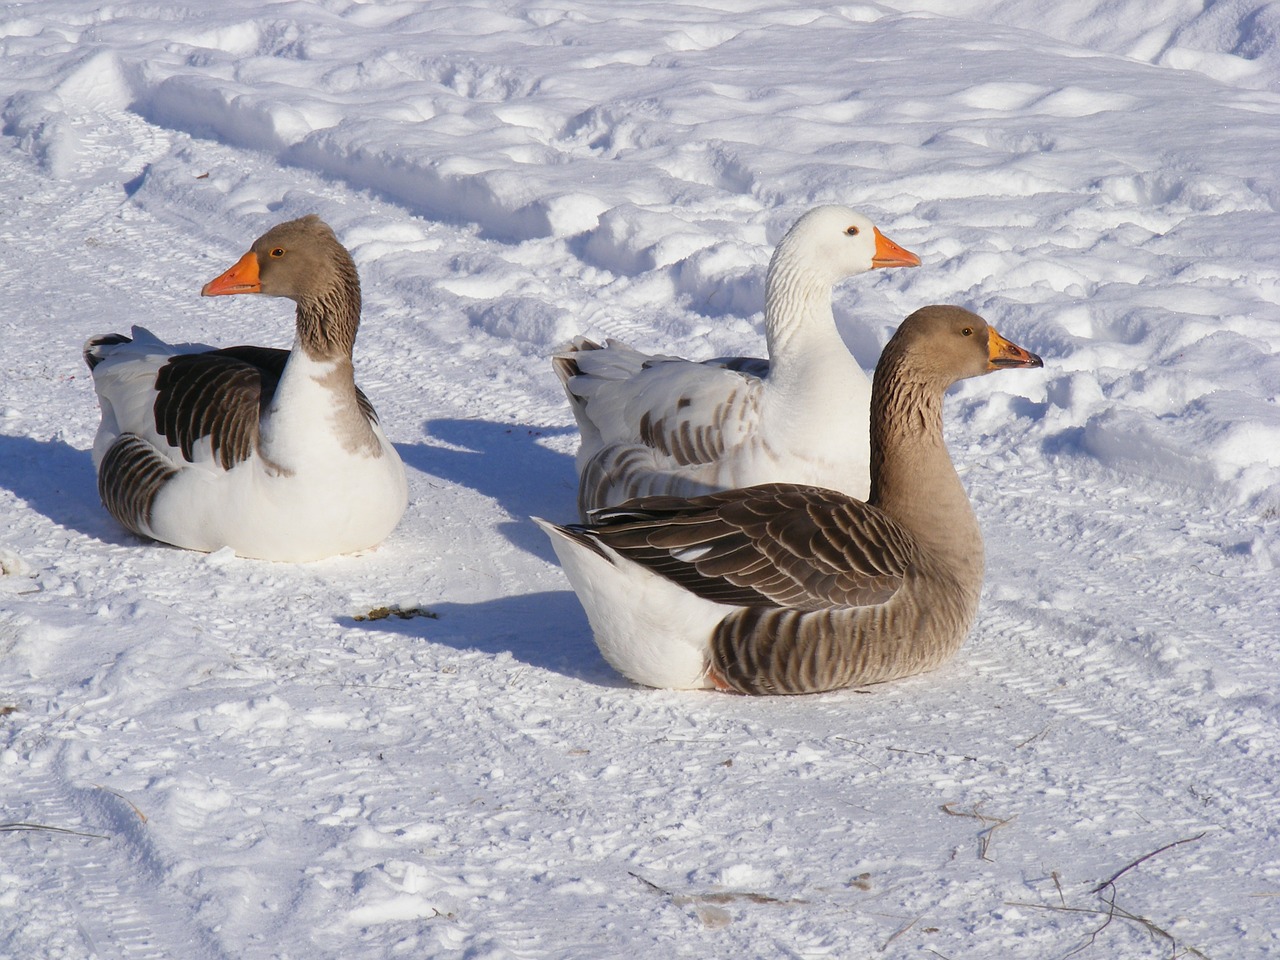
(912,477)
(327,322)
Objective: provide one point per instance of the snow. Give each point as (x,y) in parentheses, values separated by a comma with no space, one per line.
(254,768)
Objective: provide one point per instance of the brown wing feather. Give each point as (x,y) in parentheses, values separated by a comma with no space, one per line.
(130,476)
(216,395)
(779,545)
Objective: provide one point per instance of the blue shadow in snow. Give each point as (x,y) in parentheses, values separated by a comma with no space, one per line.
(1065,443)
(505,462)
(58,481)
(546,630)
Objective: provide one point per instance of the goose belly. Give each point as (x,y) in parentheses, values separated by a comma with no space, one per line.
(307,513)
(647,628)
(820,438)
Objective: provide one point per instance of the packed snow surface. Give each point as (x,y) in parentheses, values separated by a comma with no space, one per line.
(214,758)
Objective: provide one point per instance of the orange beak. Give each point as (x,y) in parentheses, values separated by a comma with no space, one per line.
(1001,353)
(889,254)
(242,278)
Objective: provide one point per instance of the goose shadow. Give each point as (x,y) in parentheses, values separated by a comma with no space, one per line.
(507,463)
(546,630)
(58,481)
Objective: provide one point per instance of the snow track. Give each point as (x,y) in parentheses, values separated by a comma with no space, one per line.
(108,887)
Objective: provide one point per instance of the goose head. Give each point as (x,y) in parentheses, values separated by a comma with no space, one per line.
(943,344)
(835,242)
(300,259)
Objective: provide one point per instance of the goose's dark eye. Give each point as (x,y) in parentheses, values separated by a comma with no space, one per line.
(277,253)
(851,231)
(967,331)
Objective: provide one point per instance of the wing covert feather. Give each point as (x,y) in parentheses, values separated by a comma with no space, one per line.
(691,413)
(219,395)
(781,545)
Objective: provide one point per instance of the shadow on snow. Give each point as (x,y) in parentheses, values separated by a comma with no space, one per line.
(546,630)
(506,463)
(58,481)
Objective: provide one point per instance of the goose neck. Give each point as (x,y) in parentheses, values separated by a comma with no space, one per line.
(327,321)
(798,321)
(912,476)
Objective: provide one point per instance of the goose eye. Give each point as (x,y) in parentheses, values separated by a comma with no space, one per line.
(967,331)
(277,253)
(851,231)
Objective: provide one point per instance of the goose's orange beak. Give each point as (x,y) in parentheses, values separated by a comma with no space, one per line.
(242,278)
(889,254)
(1002,353)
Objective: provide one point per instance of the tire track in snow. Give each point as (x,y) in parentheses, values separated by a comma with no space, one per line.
(1113,711)
(114,887)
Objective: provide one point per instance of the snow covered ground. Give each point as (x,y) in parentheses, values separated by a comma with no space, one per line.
(252,767)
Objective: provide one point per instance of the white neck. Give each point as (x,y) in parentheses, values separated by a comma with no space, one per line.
(799,326)
(814,383)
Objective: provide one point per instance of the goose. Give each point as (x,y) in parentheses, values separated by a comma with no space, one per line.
(787,588)
(274,453)
(655,425)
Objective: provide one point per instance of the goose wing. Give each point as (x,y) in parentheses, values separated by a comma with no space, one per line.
(219,396)
(688,413)
(781,545)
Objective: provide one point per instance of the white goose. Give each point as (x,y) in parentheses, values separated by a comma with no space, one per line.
(274,453)
(784,588)
(662,425)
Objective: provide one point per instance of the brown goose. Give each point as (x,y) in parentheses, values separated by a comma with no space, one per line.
(782,588)
(663,425)
(274,453)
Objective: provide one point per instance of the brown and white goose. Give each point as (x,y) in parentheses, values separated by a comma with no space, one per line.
(783,588)
(654,425)
(274,453)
